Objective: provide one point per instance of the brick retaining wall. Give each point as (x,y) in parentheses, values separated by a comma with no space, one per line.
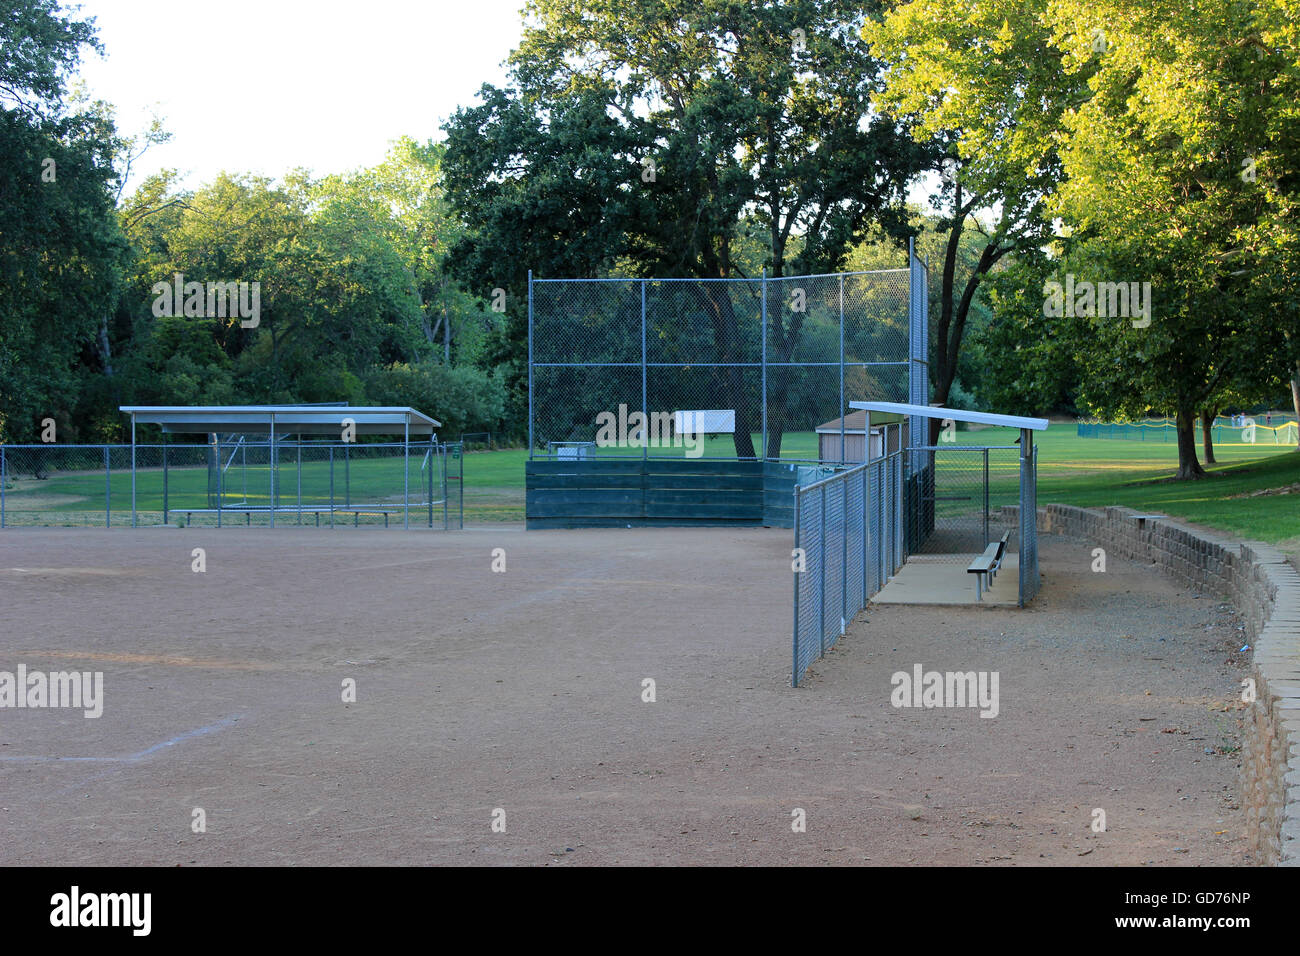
(1265,589)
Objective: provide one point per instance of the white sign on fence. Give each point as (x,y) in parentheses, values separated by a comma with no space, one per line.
(705,422)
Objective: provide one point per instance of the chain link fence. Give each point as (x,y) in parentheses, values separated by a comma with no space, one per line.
(233,478)
(724,369)
(848,538)
(1249,430)
(958,499)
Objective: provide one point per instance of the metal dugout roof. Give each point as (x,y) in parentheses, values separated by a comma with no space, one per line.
(284,419)
(956,414)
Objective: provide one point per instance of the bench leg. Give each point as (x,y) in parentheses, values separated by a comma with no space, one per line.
(979,580)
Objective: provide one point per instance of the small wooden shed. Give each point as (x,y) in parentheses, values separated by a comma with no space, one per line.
(854,427)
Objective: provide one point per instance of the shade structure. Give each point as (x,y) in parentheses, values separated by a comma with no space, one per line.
(956,414)
(284,419)
(280,421)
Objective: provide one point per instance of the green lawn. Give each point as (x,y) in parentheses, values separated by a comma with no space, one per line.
(1081,471)
(1092,472)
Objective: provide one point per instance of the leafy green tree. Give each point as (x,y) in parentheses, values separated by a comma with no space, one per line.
(663,135)
(60,248)
(982,88)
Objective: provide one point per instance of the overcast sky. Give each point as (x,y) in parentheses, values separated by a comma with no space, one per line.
(266,85)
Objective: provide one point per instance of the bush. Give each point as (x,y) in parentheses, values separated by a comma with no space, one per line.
(463,398)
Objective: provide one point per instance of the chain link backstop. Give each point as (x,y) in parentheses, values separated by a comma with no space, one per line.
(753,365)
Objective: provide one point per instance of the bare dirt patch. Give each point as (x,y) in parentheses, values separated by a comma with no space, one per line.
(522,691)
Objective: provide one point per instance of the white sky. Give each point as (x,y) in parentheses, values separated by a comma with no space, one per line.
(268,85)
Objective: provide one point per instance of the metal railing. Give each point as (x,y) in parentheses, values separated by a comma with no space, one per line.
(848,537)
(231,480)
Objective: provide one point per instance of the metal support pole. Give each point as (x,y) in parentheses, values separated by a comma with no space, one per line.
(132,469)
(221,477)
(530,363)
(821,577)
(299,437)
(331,486)
(406,471)
(164,450)
(2,486)
(763,361)
(273,464)
(844,557)
(460,484)
(433,457)
(794,640)
(645,406)
(866,484)
(986,496)
(108,491)
(844,408)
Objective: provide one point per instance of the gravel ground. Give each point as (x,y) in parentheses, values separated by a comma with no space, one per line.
(522,692)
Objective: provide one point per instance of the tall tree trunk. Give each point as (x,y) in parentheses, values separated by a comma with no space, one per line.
(730,381)
(105,351)
(1207,439)
(1188,467)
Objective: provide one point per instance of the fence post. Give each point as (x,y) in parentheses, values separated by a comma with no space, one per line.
(221,477)
(108,491)
(2,485)
(164,449)
(794,641)
(530,363)
(645,408)
(844,409)
(821,578)
(133,469)
(274,463)
(986,496)
(844,557)
(763,362)
(866,484)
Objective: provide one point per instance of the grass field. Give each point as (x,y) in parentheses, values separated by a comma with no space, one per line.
(1088,472)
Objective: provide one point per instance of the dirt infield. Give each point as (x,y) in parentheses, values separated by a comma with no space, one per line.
(523,691)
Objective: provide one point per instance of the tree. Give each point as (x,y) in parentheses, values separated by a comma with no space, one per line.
(659,135)
(61,250)
(979,85)
(1153,162)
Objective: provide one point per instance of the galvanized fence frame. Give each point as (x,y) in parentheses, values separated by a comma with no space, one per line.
(848,538)
(618,309)
(1029,577)
(439,489)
